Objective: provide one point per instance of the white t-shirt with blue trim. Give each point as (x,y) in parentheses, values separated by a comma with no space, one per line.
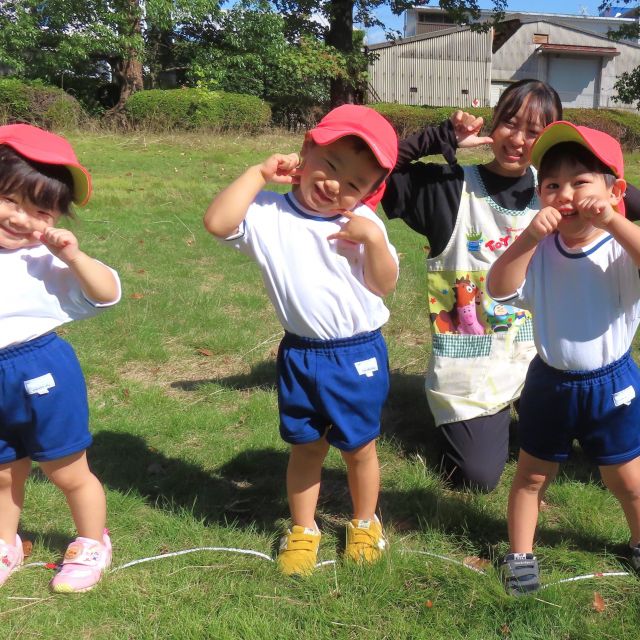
(585,302)
(316,285)
(38,292)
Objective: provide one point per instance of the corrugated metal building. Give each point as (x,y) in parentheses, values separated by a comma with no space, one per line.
(581,66)
(460,67)
(451,66)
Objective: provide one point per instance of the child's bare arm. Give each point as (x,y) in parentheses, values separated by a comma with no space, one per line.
(602,215)
(229,208)
(508,272)
(96,280)
(380,268)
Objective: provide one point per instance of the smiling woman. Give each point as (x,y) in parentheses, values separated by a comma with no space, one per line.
(470,215)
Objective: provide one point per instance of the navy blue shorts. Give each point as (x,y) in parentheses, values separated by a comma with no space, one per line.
(600,408)
(332,387)
(44,414)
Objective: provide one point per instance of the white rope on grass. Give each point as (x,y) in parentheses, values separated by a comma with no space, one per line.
(173,554)
(598,575)
(324,563)
(447,559)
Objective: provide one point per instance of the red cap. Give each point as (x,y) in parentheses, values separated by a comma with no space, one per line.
(602,145)
(364,122)
(45,147)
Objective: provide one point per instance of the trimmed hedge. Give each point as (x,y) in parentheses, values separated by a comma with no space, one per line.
(622,125)
(195,109)
(38,104)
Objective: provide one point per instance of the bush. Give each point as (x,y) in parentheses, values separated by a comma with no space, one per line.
(38,104)
(195,109)
(622,125)
(408,119)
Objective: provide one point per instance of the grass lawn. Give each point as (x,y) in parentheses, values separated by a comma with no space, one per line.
(181,383)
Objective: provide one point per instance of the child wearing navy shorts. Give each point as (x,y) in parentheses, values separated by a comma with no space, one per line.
(46,281)
(326,262)
(576,268)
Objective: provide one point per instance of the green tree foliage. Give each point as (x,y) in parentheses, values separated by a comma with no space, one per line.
(89,46)
(628,87)
(246,50)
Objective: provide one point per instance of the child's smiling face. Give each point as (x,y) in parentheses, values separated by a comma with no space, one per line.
(19,218)
(337,176)
(565,187)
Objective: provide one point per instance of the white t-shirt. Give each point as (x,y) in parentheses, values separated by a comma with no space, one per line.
(316,285)
(585,302)
(38,292)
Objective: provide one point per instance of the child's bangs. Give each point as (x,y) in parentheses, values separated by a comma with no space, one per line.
(49,187)
(572,155)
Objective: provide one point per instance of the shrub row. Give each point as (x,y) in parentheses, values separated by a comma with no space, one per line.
(38,104)
(195,109)
(622,125)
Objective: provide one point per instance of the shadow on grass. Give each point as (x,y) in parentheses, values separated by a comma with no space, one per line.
(248,491)
(262,375)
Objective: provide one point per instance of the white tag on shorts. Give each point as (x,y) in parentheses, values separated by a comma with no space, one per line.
(366,367)
(39,385)
(624,397)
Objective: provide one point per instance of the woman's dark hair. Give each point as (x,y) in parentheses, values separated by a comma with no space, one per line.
(48,186)
(573,154)
(540,98)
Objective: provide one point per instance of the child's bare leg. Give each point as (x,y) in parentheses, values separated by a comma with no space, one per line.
(363,475)
(623,480)
(13,477)
(83,491)
(303,481)
(529,484)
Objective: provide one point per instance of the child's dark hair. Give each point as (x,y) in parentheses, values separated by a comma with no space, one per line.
(48,186)
(360,146)
(573,154)
(539,96)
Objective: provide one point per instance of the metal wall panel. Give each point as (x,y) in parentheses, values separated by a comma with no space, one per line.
(452,69)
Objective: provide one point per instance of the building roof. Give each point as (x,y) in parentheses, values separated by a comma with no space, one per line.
(578,49)
(421,36)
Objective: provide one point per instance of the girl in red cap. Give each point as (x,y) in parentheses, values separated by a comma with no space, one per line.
(47,281)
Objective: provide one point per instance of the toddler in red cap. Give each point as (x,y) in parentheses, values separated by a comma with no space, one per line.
(326,263)
(575,266)
(47,281)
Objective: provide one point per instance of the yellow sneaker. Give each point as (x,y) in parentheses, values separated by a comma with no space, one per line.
(365,541)
(298,551)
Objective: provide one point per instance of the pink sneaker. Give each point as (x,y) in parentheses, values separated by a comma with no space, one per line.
(83,564)
(11,557)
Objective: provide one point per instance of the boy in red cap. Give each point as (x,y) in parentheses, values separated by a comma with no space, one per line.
(47,281)
(326,262)
(576,268)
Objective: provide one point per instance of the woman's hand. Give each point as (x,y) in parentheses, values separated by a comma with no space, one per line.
(467,127)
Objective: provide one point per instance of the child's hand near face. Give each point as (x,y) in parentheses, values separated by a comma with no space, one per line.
(61,242)
(545,222)
(280,168)
(359,230)
(597,211)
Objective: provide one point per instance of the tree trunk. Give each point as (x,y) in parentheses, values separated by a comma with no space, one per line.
(340,36)
(127,70)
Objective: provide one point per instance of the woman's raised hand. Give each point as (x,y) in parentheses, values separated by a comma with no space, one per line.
(467,127)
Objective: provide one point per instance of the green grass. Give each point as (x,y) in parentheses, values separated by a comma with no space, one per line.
(181,383)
